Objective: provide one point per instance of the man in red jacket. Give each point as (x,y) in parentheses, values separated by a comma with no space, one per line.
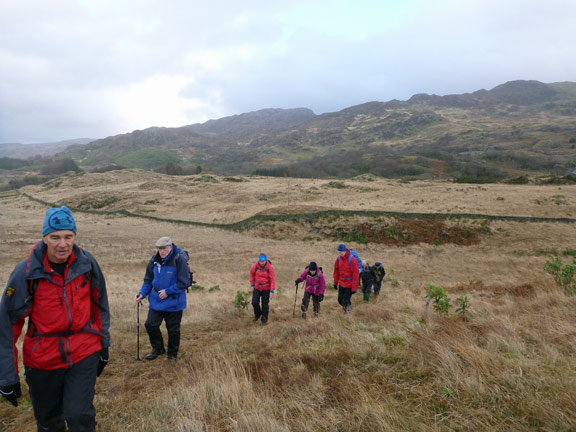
(61,290)
(346,277)
(262,286)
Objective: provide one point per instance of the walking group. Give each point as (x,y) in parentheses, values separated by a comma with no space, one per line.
(60,288)
(349,270)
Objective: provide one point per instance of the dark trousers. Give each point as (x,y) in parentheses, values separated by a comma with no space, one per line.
(258,296)
(377,286)
(173,320)
(344,296)
(316,299)
(63,397)
(367,289)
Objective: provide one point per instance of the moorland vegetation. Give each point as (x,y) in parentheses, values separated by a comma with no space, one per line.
(494,350)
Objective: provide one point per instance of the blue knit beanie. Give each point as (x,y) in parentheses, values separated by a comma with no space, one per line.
(262,257)
(341,248)
(58,219)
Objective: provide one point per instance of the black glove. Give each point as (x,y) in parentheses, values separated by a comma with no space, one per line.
(297,281)
(321,297)
(11,393)
(104,357)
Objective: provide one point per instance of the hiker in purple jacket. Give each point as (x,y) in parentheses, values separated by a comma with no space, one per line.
(314,286)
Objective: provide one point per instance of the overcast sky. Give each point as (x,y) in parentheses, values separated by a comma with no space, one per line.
(95,68)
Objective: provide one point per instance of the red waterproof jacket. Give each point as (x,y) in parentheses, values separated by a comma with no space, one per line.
(68,317)
(346,272)
(263,278)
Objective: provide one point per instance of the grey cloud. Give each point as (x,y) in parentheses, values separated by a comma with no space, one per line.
(61,60)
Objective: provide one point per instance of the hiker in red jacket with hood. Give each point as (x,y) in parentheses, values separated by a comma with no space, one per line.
(262,286)
(62,291)
(346,277)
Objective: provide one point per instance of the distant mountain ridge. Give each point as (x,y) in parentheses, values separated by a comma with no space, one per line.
(514,128)
(265,121)
(394,138)
(24,151)
(512,92)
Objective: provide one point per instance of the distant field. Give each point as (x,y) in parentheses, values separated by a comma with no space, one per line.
(391,365)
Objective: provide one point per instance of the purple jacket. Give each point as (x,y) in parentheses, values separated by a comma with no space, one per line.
(314,284)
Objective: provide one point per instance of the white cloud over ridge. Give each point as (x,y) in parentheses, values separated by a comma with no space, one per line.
(71,68)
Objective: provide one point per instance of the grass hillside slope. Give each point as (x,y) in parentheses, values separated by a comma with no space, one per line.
(391,365)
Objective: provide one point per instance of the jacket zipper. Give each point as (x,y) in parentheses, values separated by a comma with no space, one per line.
(67,349)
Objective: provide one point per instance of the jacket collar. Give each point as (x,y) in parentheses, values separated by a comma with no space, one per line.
(78,264)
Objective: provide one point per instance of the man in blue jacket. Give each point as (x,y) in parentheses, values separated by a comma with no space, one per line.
(165,283)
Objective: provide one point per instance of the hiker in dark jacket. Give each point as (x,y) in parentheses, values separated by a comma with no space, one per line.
(314,286)
(380,273)
(368,279)
(62,291)
(262,286)
(165,283)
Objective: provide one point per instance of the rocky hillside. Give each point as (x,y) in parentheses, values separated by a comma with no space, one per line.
(520,127)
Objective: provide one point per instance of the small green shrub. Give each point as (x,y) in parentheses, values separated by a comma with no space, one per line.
(196,288)
(214,288)
(563,274)
(439,298)
(463,306)
(242,300)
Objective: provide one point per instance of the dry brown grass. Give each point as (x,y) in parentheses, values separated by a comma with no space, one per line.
(389,366)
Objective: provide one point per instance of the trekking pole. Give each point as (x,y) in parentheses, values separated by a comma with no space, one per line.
(138,331)
(295,297)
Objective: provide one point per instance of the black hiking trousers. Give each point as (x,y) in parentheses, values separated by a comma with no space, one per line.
(263,296)
(344,297)
(63,397)
(316,299)
(173,320)
(377,286)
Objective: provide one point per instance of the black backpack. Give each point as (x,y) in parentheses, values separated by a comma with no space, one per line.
(186,255)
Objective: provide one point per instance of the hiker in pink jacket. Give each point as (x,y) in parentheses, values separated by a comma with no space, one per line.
(314,286)
(262,286)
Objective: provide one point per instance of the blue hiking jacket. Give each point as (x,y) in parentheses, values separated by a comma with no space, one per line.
(171,274)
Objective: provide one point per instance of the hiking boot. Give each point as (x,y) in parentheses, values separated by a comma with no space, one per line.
(256,318)
(264,322)
(155,353)
(172,357)
(303,315)
(315,314)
